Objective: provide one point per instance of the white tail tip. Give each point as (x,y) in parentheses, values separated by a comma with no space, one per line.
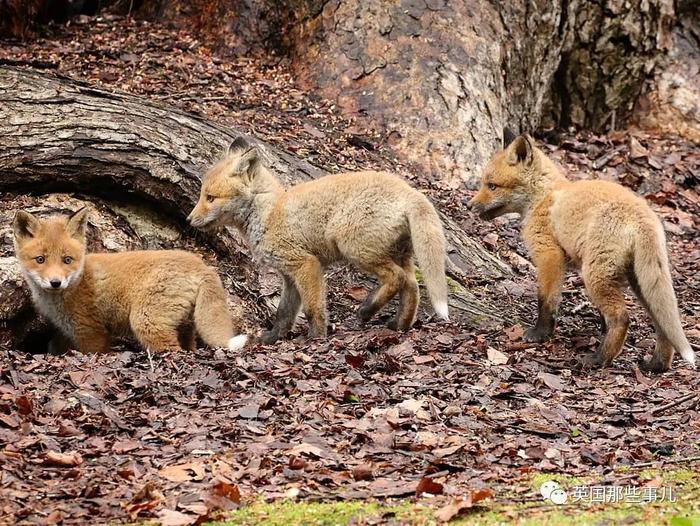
(442,311)
(237,342)
(688,355)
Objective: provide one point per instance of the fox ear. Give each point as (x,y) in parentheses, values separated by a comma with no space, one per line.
(520,150)
(238,144)
(508,137)
(77,223)
(25,225)
(249,163)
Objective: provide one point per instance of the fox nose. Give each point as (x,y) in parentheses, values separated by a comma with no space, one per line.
(55,283)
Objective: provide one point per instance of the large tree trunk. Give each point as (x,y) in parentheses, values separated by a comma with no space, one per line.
(442,78)
(143,163)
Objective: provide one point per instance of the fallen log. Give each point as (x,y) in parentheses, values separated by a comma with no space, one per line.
(140,164)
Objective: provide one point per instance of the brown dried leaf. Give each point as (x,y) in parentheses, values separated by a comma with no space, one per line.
(54,458)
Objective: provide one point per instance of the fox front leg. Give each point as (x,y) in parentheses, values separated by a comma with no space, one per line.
(286,312)
(550,276)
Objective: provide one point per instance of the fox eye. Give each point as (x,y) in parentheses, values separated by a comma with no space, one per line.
(210,198)
(67,260)
(491,186)
(40,259)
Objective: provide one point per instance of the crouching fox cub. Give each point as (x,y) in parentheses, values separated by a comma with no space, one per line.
(603,229)
(373,220)
(161,297)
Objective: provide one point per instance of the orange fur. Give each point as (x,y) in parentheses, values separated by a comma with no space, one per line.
(159,297)
(600,227)
(372,220)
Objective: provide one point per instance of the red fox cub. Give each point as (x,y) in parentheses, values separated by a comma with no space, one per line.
(373,220)
(160,297)
(603,229)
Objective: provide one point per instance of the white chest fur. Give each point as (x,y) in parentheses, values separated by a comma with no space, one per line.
(51,305)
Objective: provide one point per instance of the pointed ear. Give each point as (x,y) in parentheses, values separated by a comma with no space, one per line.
(520,150)
(238,144)
(77,223)
(249,163)
(25,225)
(508,137)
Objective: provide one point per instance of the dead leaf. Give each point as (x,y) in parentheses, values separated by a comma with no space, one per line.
(176,518)
(428,485)
(230,491)
(362,472)
(457,506)
(453,509)
(637,151)
(423,359)
(551,380)
(515,333)
(183,472)
(496,357)
(249,411)
(358,292)
(54,458)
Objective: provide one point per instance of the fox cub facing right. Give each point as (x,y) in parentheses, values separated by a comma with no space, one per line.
(600,227)
(373,220)
(159,296)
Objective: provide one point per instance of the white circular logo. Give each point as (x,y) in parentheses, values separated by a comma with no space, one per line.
(552,491)
(558,496)
(548,487)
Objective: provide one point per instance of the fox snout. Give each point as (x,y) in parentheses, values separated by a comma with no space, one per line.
(197,219)
(484,206)
(52,282)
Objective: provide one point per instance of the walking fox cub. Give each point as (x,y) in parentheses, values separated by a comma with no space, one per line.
(603,229)
(373,220)
(160,297)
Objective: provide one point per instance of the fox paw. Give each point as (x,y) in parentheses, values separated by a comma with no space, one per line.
(652,365)
(592,361)
(269,337)
(395,325)
(536,335)
(364,314)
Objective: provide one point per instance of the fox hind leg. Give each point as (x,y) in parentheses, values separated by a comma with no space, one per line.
(662,358)
(391,277)
(156,337)
(408,298)
(604,289)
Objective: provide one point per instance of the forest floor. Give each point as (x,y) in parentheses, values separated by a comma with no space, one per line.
(448,419)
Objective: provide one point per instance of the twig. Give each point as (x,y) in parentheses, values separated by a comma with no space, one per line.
(150,359)
(661,408)
(663,461)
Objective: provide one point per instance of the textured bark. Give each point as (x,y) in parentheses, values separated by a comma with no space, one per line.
(443,78)
(610,49)
(672,102)
(59,135)
(440,78)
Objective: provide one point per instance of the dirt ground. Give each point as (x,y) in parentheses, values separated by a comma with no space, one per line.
(444,409)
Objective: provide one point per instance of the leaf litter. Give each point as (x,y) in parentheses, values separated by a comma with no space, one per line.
(446,411)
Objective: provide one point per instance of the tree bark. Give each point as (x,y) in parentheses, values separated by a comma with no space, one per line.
(443,78)
(141,164)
